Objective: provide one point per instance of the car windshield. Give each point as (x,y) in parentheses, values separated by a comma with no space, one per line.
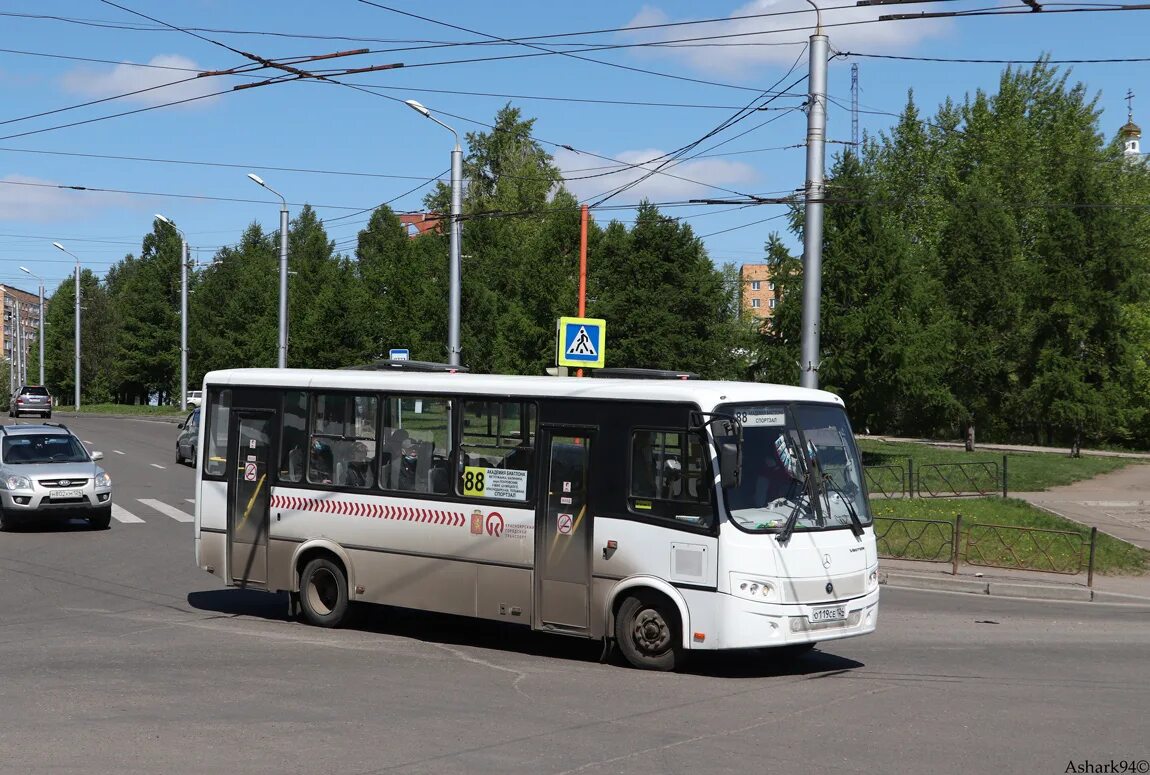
(798,461)
(43,448)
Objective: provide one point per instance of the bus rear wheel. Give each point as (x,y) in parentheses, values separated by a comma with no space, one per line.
(648,634)
(323,593)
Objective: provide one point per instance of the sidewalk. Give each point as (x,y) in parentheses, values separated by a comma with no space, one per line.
(1117,503)
(1000,582)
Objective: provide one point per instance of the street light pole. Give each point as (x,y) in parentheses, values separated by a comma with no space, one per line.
(455,293)
(283,337)
(813,210)
(77,345)
(183,313)
(25,270)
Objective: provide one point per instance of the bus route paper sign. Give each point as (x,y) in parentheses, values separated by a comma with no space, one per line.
(503,483)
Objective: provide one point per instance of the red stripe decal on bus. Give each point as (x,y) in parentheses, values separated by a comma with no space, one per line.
(372,510)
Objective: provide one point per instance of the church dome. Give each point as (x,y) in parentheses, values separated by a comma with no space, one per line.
(1130,129)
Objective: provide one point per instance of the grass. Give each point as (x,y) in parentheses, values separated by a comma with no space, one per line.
(997,548)
(128,409)
(1025,471)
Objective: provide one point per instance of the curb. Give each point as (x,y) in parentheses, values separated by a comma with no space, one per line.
(1005,589)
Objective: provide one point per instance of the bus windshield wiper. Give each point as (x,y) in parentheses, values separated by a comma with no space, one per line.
(809,487)
(856,523)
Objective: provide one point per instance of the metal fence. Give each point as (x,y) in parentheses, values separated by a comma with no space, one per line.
(926,540)
(958,480)
(938,480)
(886,481)
(994,546)
(1027,548)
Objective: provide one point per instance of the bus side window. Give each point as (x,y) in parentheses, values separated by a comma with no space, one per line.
(497,436)
(669,476)
(416,445)
(293,436)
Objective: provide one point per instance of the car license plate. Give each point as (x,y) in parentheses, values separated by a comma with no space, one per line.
(832,613)
(66,494)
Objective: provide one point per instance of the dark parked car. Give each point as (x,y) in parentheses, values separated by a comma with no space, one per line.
(31,399)
(188,438)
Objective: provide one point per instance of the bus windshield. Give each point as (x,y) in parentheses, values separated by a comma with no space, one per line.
(799,465)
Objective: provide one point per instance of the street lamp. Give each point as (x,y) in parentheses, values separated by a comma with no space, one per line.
(25,270)
(28,271)
(283,269)
(58,246)
(183,312)
(456,229)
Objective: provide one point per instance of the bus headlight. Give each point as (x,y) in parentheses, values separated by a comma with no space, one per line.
(752,588)
(872,579)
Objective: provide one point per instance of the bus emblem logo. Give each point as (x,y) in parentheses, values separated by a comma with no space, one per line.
(477,522)
(495,524)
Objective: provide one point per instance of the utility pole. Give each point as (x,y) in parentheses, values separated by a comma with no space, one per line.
(855,107)
(19,348)
(813,211)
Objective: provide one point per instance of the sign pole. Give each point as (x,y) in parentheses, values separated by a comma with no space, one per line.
(582,267)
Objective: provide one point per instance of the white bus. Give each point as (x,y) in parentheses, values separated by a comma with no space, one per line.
(666,515)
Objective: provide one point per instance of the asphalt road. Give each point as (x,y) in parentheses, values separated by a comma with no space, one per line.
(118,655)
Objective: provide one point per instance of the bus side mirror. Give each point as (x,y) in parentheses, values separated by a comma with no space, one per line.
(729,464)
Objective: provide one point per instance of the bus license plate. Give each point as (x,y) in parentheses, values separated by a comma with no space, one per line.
(66,494)
(833,613)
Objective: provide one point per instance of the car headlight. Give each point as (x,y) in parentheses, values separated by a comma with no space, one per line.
(753,588)
(17,483)
(103,480)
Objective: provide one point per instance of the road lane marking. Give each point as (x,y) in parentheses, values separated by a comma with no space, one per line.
(190,500)
(118,452)
(88,442)
(156,465)
(120,514)
(166,510)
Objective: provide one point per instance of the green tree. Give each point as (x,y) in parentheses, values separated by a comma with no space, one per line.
(664,301)
(234,312)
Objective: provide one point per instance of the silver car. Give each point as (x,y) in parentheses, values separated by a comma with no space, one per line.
(47,474)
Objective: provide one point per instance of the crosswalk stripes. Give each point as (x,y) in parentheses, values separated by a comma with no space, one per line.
(120,514)
(166,510)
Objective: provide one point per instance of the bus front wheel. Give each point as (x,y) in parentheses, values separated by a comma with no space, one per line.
(323,593)
(647,631)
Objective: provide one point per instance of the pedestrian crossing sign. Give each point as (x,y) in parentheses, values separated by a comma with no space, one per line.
(582,342)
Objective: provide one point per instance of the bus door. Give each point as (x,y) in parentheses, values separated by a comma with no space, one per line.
(249,500)
(563,524)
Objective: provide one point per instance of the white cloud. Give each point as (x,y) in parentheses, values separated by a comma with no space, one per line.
(24,198)
(760,39)
(127,78)
(684,181)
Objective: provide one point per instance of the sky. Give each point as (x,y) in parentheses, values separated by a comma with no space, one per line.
(658,76)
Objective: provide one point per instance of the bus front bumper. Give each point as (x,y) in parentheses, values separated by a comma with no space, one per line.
(746,624)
